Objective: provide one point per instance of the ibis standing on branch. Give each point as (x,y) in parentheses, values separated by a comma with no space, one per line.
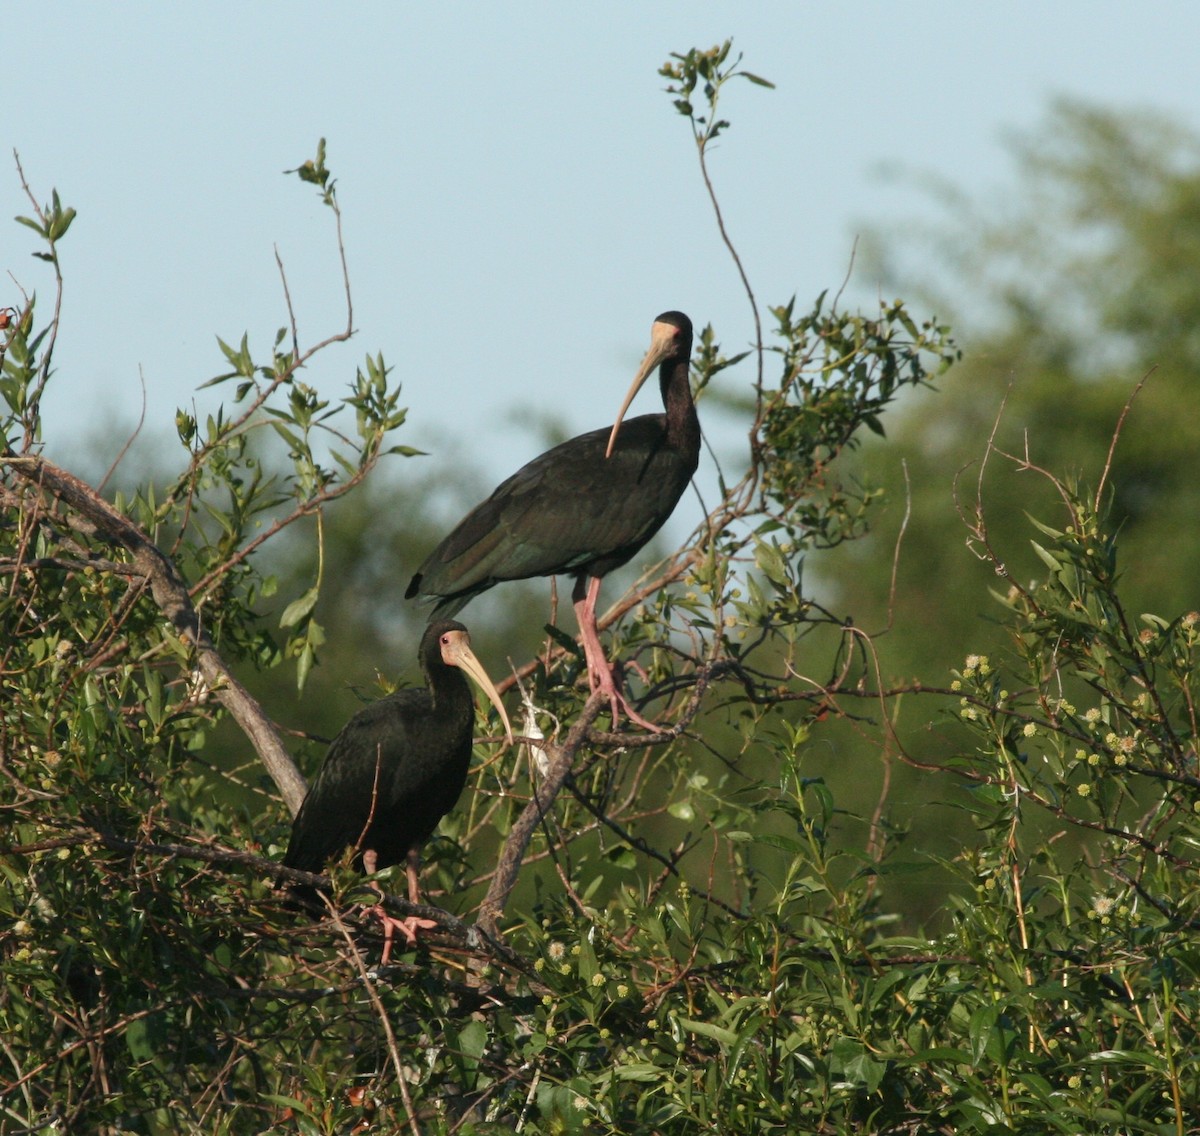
(583,508)
(397,767)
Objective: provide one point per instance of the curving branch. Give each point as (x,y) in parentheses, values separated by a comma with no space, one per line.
(544,794)
(93,516)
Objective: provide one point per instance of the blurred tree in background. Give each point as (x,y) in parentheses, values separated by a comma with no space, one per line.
(726,927)
(1066,291)
(1065,296)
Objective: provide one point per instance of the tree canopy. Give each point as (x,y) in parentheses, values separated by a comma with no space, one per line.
(710,927)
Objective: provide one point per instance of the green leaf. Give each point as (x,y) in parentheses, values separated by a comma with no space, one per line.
(937,1055)
(783,843)
(980,1029)
(304,662)
(289,436)
(1054,534)
(854,1062)
(144,1037)
(472,1041)
(640,1071)
(710,1029)
(1139,1058)
(60,223)
(299,608)
(563,640)
(770,560)
(622,857)
(1047,558)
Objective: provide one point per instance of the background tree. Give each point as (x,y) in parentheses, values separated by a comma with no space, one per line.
(1067,293)
(680,932)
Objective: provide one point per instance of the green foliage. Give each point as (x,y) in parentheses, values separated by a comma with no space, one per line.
(1039,285)
(713,69)
(839,373)
(689,931)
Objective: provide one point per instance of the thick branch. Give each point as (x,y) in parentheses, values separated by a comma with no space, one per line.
(170,594)
(544,795)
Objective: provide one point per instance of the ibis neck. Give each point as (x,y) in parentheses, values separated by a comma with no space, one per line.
(683,427)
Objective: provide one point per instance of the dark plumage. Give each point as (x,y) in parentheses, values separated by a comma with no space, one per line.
(583,508)
(397,767)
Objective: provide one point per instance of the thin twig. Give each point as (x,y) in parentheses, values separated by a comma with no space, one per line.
(380,1012)
(1116,435)
(128,441)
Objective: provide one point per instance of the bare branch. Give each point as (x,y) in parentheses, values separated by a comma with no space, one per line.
(523,829)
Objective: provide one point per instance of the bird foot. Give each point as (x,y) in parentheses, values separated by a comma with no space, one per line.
(621,706)
(602,675)
(408,927)
(605,683)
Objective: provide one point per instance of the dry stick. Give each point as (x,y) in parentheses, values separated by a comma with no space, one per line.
(448,922)
(522,831)
(702,141)
(1112,445)
(170,594)
(381,1013)
(84,1042)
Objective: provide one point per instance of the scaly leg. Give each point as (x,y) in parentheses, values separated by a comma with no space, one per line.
(411,924)
(600,672)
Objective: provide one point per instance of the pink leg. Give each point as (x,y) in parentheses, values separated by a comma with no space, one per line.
(600,673)
(408,926)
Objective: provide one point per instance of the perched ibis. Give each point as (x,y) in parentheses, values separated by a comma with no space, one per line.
(397,767)
(583,508)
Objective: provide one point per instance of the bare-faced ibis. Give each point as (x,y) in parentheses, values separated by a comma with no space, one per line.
(397,767)
(583,508)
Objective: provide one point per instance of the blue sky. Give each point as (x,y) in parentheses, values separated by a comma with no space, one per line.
(520,197)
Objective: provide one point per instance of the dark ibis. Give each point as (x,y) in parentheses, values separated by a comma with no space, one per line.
(583,508)
(396,768)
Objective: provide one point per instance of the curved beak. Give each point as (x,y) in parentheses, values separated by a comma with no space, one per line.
(662,343)
(457,653)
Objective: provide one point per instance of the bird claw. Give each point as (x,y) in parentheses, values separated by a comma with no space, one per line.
(408,927)
(618,703)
